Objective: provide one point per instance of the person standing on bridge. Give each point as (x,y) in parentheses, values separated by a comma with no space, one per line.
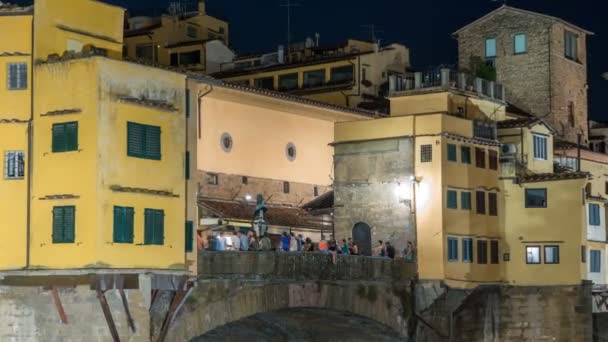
(220,243)
(293,243)
(285,242)
(323,246)
(236,241)
(265,243)
(244,243)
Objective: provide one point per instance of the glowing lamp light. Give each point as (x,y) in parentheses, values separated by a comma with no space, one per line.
(402,191)
(248,198)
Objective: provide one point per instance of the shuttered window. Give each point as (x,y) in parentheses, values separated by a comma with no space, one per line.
(493,204)
(465,200)
(143,141)
(465,154)
(493,156)
(452,249)
(189,236)
(594,214)
(17,76)
(154,227)
(494,252)
(595,258)
(452,199)
(63,224)
(65,137)
(480,157)
(187,166)
(467,250)
(123,224)
(481,202)
(482,251)
(452,152)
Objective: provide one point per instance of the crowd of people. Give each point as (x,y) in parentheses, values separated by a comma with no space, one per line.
(290,242)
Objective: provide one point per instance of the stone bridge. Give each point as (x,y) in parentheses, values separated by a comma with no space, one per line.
(233,286)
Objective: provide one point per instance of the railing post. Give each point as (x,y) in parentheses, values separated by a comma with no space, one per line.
(479,86)
(417,80)
(445,77)
(492,85)
(462,81)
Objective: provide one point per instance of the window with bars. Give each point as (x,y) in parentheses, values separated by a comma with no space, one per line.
(65,137)
(143,141)
(452,152)
(482,251)
(467,250)
(14,165)
(426,153)
(123,224)
(17,76)
(452,249)
(493,156)
(64,224)
(480,157)
(154,227)
(493,204)
(480,202)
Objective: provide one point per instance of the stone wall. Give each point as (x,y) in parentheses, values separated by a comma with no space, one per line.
(370,181)
(29,314)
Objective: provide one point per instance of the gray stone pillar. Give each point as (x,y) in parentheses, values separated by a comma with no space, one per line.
(462,81)
(478,86)
(445,77)
(417,80)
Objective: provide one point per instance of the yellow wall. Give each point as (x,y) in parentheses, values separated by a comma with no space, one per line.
(544,226)
(526,154)
(87,21)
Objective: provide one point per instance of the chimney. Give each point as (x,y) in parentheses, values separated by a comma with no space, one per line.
(281,54)
(201,7)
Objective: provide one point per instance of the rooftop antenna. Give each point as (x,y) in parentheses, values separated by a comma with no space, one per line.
(289,5)
(373,31)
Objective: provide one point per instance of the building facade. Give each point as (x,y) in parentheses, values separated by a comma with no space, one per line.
(542,61)
(354,74)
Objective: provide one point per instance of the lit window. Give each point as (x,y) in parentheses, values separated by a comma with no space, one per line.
(14,164)
(540,146)
(17,76)
(533,255)
(551,254)
(426,153)
(536,198)
(452,249)
(491,48)
(520,45)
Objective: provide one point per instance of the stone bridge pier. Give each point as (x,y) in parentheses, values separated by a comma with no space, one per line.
(233,286)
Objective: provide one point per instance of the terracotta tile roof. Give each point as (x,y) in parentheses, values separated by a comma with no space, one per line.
(189,43)
(516,123)
(276,216)
(548,177)
(325,201)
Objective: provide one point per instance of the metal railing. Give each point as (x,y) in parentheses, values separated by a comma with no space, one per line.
(448,79)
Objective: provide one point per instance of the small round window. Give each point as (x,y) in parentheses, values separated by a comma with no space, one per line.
(226,142)
(291,152)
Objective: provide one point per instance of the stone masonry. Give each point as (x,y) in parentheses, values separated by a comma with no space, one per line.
(369,179)
(541,81)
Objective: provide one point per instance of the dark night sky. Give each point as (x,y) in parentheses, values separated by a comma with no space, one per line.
(423,26)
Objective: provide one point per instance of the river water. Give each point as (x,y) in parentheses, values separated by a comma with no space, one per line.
(302,324)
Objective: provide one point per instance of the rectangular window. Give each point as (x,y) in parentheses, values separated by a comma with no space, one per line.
(465,200)
(532,254)
(286,187)
(482,251)
(520,44)
(64,224)
(540,146)
(481,202)
(452,199)
(467,250)
(536,198)
(315,191)
(452,152)
(595,260)
(490,47)
(174,59)
(145,51)
(187,166)
(189,236)
(154,227)
(212,179)
(493,204)
(480,157)
(17,76)
(571,45)
(14,165)
(494,252)
(190,57)
(65,137)
(288,81)
(426,153)
(493,156)
(452,249)
(123,224)
(143,141)
(551,254)
(594,214)
(314,78)
(343,74)
(264,83)
(245,180)
(465,154)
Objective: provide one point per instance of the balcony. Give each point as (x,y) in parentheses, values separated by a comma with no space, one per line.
(446,79)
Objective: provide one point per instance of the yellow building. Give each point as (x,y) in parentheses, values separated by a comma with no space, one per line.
(185,37)
(99,175)
(354,74)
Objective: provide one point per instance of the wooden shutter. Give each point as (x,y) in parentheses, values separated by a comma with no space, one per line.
(57,224)
(69,224)
(71,136)
(59,138)
(494,252)
(452,152)
(118,224)
(189,236)
(481,202)
(152,142)
(159,231)
(148,227)
(187,165)
(135,140)
(129,213)
(480,157)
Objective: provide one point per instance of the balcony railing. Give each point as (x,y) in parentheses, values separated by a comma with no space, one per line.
(447,79)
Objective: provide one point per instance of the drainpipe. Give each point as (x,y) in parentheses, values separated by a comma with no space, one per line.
(578,152)
(200,105)
(30,149)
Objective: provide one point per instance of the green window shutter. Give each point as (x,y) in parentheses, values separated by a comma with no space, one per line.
(159,230)
(129,213)
(189,236)
(154,227)
(187,103)
(187,165)
(57,224)
(118,224)
(452,199)
(71,136)
(465,152)
(135,140)
(148,226)
(59,138)
(123,225)
(452,152)
(465,199)
(68,224)
(152,142)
